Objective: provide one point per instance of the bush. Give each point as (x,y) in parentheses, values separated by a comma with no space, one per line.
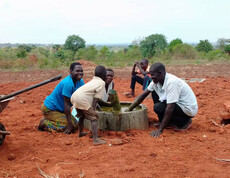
(204,46)
(21,53)
(89,53)
(174,43)
(183,51)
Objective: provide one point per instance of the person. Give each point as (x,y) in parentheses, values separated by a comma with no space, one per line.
(85,100)
(109,84)
(57,106)
(176,104)
(143,69)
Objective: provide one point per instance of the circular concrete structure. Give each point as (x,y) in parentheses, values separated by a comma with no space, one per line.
(136,119)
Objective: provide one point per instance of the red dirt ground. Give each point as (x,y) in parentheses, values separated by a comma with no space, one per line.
(191,153)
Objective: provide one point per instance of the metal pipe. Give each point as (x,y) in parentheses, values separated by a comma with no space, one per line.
(31,87)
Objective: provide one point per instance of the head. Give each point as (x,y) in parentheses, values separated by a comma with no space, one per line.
(76,71)
(100,71)
(109,76)
(157,72)
(144,63)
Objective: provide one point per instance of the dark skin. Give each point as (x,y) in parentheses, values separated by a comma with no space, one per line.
(96,140)
(76,75)
(157,77)
(142,66)
(109,79)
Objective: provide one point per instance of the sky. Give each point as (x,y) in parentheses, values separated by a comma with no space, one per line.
(112,21)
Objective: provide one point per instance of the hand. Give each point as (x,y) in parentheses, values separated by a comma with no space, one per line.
(156,133)
(137,63)
(69,129)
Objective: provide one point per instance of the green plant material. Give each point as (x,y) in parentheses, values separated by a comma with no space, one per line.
(174,43)
(74,43)
(204,46)
(89,53)
(21,53)
(113,97)
(153,44)
(227,49)
(183,51)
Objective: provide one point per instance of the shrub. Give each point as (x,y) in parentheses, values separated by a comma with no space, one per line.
(183,51)
(204,45)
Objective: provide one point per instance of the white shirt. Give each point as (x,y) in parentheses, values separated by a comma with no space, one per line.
(175,90)
(83,97)
(106,94)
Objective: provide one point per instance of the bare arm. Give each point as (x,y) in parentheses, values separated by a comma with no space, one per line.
(67,112)
(138,100)
(167,116)
(141,70)
(133,70)
(95,101)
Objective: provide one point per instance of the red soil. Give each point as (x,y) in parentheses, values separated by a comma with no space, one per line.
(191,153)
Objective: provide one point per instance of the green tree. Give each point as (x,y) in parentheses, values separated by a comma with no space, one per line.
(89,53)
(227,49)
(204,46)
(183,51)
(104,52)
(153,44)
(27,48)
(222,42)
(74,43)
(174,43)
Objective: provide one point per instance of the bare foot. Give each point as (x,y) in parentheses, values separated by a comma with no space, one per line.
(98,142)
(83,134)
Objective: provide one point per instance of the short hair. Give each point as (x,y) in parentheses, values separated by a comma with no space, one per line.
(158,67)
(145,60)
(109,69)
(100,71)
(72,66)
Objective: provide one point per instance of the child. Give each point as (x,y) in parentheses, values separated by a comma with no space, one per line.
(85,100)
(109,84)
(143,69)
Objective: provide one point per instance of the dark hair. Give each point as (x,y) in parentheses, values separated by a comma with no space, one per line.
(100,71)
(72,66)
(145,61)
(109,69)
(158,67)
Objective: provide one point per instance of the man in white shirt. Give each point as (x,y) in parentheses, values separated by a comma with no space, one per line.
(177,103)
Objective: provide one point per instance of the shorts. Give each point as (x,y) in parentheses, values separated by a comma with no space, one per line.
(89,114)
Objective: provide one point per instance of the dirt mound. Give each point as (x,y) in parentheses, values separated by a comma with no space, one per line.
(87,64)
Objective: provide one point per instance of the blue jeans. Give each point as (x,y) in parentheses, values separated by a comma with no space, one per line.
(143,81)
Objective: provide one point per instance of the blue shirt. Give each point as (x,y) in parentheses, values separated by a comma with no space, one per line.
(55,101)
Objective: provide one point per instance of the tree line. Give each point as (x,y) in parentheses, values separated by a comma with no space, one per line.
(154,47)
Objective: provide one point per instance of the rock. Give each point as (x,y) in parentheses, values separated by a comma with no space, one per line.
(225,115)
(116,142)
(11,157)
(227,106)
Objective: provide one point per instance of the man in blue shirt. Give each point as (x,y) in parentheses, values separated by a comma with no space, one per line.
(57,106)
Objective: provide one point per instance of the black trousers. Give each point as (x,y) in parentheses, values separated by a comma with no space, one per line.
(143,81)
(179,118)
